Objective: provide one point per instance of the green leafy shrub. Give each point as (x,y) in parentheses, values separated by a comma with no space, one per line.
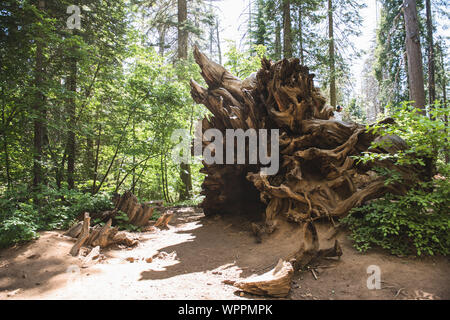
(123,222)
(419,221)
(20,219)
(18,226)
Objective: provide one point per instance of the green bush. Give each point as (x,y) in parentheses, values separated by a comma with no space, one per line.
(20,219)
(414,224)
(18,225)
(417,222)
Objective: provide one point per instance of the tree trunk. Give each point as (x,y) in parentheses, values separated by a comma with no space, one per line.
(182,32)
(300,35)
(444,98)
(414,54)
(287,35)
(5,145)
(162,39)
(71,108)
(185,169)
(431,71)
(331,55)
(277,40)
(218,42)
(39,111)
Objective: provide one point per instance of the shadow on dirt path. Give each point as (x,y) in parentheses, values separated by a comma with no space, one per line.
(191,258)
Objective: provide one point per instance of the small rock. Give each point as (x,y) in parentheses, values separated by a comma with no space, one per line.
(241,294)
(38,283)
(34,256)
(148,260)
(130,259)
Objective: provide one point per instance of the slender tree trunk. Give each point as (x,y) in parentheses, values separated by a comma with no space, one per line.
(218,42)
(182,32)
(5,145)
(72,87)
(39,111)
(185,169)
(133,183)
(444,98)
(277,40)
(89,156)
(331,54)
(162,39)
(211,32)
(287,41)
(97,155)
(415,71)
(300,35)
(431,69)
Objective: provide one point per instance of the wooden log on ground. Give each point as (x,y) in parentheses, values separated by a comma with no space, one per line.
(75,230)
(275,283)
(138,214)
(84,235)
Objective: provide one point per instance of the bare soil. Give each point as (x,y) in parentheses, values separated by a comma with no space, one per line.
(192,258)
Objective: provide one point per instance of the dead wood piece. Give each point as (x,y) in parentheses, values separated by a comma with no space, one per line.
(83,236)
(275,283)
(75,230)
(138,214)
(124,238)
(164,220)
(91,258)
(105,235)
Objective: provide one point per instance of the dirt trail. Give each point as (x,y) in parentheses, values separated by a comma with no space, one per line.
(192,258)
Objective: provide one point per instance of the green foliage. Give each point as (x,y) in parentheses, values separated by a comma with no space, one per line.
(20,219)
(242,64)
(426,137)
(419,221)
(123,222)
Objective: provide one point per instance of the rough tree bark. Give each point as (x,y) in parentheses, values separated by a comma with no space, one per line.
(287,35)
(185,169)
(414,54)
(431,73)
(318,178)
(331,54)
(39,110)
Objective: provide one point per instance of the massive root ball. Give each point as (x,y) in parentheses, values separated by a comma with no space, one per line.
(317,178)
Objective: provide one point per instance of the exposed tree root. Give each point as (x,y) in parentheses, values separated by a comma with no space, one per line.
(318,177)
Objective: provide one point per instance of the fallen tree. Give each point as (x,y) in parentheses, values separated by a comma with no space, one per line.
(318,178)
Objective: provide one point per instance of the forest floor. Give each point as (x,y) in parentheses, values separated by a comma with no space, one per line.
(192,258)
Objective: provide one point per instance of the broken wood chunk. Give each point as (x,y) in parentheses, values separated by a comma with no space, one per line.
(275,283)
(164,220)
(84,235)
(89,259)
(75,230)
(124,238)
